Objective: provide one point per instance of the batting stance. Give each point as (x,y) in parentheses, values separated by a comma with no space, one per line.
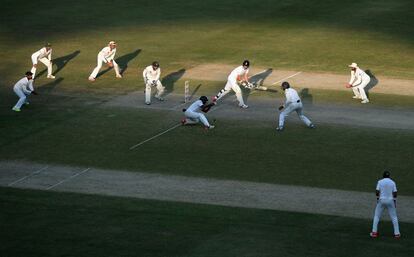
(386,192)
(293,103)
(151,76)
(193,115)
(23,88)
(238,75)
(106,55)
(44,55)
(359,80)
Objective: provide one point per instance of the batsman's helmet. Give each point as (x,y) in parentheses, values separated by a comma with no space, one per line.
(204,99)
(155,64)
(48,44)
(386,174)
(285,85)
(246,63)
(28,73)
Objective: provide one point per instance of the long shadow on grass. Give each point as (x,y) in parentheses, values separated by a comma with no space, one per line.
(306,97)
(169,81)
(60,62)
(257,79)
(372,83)
(122,62)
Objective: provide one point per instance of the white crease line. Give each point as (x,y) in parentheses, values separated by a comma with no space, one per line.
(151,138)
(297,73)
(69,178)
(28,176)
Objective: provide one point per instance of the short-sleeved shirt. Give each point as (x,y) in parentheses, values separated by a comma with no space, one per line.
(291,96)
(239,71)
(386,187)
(194,107)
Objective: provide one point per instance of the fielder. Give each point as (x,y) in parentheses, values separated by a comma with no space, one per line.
(106,55)
(238,75)
(151,76)
(44,55)
(193,115)
(386,193)
(359,80)
(293,103)
(23,88)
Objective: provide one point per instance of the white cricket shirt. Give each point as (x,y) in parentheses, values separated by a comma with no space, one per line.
(291,96)
(357,77)
(107,53)
(239,71)
(194,107)
(386,187)
(24,85)
(42,53)
(150,74)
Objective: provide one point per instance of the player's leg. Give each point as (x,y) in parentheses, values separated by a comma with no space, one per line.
(97,69)
(239,95)
(191,118)
(283,115)
(116,69)
(34,67)
(377,216)
(224,91)
(357,95)
(299,111)
(22,99)
(361,89)
(48,64)
(148,88)
(160,91)
(392,211)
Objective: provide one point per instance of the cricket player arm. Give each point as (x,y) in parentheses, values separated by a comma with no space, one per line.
(157,77)
(49,56)
(377,194)
(31,86)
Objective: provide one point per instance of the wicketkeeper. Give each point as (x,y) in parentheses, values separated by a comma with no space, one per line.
(151,76)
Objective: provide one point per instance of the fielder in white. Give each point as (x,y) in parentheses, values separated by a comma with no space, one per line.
(386,192)
(106,55)
(44,55)
(23,88)
(238,75)
(292,103)
(359,80)
(193,114)
(151,76)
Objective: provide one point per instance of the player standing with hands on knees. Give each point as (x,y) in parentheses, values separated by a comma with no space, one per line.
(386,192)
(106,55)
(151,76)
(23,88)
(238,75)
(44,55)
(293,103)
(359,80)
(193,116)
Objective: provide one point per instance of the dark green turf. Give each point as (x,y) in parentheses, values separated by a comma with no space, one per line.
(35,223)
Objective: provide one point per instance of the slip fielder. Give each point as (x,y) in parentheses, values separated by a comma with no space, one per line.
(44,55)
(359,80)
(151,76)
(106,55)
(23,88)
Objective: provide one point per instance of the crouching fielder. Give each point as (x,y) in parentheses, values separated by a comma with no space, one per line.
(44,55)
(193,115)
(23,88)
(293,103)
(386,192)
(106,55)
(151,76)
(359,80)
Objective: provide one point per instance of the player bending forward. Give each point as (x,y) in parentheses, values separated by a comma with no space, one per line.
(359,80)
(193,115)
(106,55)
(151,76)
(44,55)
(23,88)
(238,75)
(293,103)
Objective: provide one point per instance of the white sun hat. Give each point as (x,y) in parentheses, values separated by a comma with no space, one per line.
(112,42)
(353,65)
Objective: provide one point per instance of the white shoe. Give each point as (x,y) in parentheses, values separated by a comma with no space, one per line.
(147,103)
(244,106)
(159,98)
(210,127)
(279,129)
(50,77)
(16,109)
(311,126)
(119,76)
(91,79)
(365,101)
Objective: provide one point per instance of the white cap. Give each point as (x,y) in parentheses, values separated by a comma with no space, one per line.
(353,65)
(112,43)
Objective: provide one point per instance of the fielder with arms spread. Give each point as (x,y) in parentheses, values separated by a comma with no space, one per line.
(386,192)
(106,55)
(193,116)
(151,76)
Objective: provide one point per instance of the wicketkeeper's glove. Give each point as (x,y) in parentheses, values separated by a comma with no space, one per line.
(281,107)
(34,93)
(207,107)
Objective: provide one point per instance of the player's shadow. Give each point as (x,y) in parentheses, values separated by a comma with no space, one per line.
(194,92)
(60,62)
(49,87)
(169,81)
(122,62)
(372,83)
(306,97)
(257,79)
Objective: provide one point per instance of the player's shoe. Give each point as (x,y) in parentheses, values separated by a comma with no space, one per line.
(147,103)
(91,79)
(397,236)
(373,234)
(279,129)
(183,121)
(365,101)
(50,77)
(159,98)
(311,126)
(243,106)
(16,109)
(119,76)
(210,127)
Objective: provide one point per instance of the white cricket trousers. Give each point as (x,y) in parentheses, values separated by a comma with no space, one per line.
(359,91)
(298,107)
(195,117)
(22,97)
(99,66)
(148,88)
(232,85)
(45,61)
(392,211)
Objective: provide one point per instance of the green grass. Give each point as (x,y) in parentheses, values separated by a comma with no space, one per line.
(38,223)
(80,132)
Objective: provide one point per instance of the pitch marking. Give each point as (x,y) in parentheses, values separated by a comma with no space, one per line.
(28,176)
(297,73)
(67,179)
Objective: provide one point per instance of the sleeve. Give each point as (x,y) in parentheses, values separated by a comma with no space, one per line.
(157,77)
(246,78)
(111,56)
(35,56)
(378,186)
(49,56)
(288,98)
(352,77)
(358,77)
(394,189)
(144,74)
(31,85)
